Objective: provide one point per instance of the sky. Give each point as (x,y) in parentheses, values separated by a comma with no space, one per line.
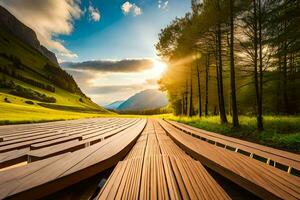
(107,45)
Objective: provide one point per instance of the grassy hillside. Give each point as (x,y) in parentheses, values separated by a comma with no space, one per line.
(20,112)
(30,85)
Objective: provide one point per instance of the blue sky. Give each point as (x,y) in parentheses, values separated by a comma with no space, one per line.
(119,36)
(107,45)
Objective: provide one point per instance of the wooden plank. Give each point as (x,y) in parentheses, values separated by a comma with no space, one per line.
(28,143)
(112,184)
(239,169)
(31,138)
(54,142)
(110,129)
(71,146)
(15,174)
(13,157)
(54,150)
(161,175)
(25,135)
(283,157)
(73,168)
(24,129)
(173,188)
(10,132)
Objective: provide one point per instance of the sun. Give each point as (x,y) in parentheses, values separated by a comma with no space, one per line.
(158,67)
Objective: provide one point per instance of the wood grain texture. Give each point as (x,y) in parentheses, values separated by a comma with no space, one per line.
(263,180)
(156,168)
(54,173)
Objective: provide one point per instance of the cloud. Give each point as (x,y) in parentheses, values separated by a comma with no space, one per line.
(162,4)
(48,18)
(151,81)
(106,93)
(123,66)
(131,8)
(109,89)
(94,14)
(82,77)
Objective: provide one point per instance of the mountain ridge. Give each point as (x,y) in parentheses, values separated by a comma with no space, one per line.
(114,105)
(24,33)
(149,99)
(30,75)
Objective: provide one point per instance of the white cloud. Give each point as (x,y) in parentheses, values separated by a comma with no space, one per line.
(162,4)
(112,66)
(131,8)
(126,7)
(107,81)
(48,18)
(94,14)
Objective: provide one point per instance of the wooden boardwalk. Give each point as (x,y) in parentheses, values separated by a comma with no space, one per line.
(283,160)
(54,173)
(18,146)
(156,168)
(259,178)
(153,159)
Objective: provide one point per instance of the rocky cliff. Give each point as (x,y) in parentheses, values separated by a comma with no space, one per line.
(24,33)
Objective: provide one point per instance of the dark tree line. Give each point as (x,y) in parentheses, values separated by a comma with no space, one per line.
(28,93)
(62,79)
(52,73)
(12,72)
(236,57)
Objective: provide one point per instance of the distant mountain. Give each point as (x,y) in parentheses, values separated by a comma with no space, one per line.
(114,105)
(11,24)
(30,72)
(145,100)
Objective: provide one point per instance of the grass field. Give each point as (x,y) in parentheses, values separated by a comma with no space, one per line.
(62,97)
(15,114)
(281,132)
(18,111)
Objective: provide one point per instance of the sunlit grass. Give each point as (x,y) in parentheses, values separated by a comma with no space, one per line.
(13,113)
(279,131)
(16,113)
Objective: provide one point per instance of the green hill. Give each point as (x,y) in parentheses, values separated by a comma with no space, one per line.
(31,79)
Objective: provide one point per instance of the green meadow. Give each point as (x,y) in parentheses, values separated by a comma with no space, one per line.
(20,61)
(18,111)
(281,132)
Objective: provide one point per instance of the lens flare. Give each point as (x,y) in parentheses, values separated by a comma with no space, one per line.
(159,68)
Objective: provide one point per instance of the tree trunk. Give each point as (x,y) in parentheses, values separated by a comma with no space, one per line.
(285,95)
(199,92)
(220,70)
(260,105)
(186,96)
(182,104)
(206,84)
(255,44)
(279,79)
(235,119)
(293,77)
(217,72)
(190,111)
